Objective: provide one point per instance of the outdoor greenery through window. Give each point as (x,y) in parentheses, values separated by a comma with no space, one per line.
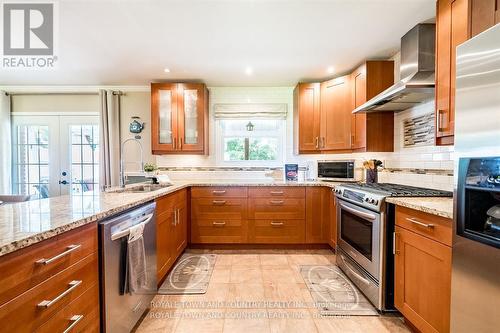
(252,140)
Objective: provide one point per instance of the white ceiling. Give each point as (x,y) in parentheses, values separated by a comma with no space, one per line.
(106,42)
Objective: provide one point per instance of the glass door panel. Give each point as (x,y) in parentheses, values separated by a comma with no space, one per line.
(165,117)
(191,116)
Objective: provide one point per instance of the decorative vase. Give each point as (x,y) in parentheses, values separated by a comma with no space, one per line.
(371,176)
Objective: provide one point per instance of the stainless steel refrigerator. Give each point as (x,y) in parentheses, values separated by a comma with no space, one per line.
(475,300)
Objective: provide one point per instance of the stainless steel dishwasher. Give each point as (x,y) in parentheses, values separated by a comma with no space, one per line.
(120,310)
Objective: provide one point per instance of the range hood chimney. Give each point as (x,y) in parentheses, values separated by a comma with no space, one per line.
(416,72)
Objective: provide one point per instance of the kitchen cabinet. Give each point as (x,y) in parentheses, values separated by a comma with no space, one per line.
(179,118)
(452,29)
(483,15)
(63,270)
(335,114)
(306,117)
(372,131)
(171,230)
(422,287)
(318,205)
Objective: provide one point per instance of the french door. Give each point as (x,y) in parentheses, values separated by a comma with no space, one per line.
(55,155)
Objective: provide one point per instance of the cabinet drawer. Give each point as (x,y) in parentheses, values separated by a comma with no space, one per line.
(218,231)
(276,191)
(82,315)
(277,231)
(219,208)
(28,311)
(24,269)
(219,191)
(276,208)
(434,227)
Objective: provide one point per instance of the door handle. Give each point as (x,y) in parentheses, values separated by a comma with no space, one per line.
(180,143)
(276,202)
(218,223)
(277,223)
(217,192)
(276,192)
(425,225)
(350,268)
(69,249)
(74,321)
(126,232)
(219,202)
(364,215)
(72,285)
(174,143)
(317,142)
(395,243)
(63,182)
(440,117)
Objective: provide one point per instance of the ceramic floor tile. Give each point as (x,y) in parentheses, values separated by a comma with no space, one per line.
(159,320)
(246,295)
(206,321)
(273,259)
(221,274)
(246,321)
(278,274)
(245,275)
(223,260)
(291,321)
(290,295)
(245,260)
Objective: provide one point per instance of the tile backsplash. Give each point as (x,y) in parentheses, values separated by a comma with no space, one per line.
(427,166)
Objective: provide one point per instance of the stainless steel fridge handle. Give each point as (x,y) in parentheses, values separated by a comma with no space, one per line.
(358,213)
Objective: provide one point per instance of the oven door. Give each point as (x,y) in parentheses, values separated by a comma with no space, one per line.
(359,235)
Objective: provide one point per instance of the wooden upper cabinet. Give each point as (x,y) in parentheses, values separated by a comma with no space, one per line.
(483,15)
(452,29)
(179,118)
(306,117)
(335,116)
(372,131)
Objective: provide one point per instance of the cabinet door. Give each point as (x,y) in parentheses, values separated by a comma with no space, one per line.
(359,120)
(422,288)
(164,253)
(336,108)
(483,15)
(333,220)
(191,117)
(307,116)
(163,117)
(451,30)
(317,214)
(180,241)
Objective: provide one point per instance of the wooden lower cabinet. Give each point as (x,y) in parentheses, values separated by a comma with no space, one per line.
(171,230)
(277,231)
(318,214)
(422,288)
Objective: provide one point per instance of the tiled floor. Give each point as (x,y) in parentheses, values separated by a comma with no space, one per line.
(257,291)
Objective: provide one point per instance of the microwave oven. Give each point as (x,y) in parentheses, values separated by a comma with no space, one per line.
(336,170)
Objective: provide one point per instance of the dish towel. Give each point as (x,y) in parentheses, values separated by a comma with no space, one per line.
(136,259)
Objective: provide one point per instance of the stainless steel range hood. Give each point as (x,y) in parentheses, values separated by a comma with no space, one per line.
(416,72)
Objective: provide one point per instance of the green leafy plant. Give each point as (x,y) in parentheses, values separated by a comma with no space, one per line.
(150,167)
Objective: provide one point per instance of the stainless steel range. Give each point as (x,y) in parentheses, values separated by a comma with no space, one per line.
(365,222)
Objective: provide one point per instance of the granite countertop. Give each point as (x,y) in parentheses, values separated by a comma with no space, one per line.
(436,206)
(26,223)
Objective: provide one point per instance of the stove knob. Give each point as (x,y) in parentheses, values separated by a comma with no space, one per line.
(367,199)
(372,201)
(375,202)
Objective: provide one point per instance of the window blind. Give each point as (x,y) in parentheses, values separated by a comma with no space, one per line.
(250,110)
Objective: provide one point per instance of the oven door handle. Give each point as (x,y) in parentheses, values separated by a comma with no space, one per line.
(364,215)
(350,268)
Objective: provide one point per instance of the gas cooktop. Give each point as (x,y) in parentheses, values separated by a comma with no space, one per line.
(397,190)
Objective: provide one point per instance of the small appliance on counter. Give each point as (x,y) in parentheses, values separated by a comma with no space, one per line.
(341,171)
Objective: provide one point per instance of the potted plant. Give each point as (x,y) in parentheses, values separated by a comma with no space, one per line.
(149,169)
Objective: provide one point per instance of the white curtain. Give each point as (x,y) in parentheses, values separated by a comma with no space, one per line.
(5,145)
(250,110)
(109,127)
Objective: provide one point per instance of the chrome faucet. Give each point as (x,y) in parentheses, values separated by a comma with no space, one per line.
(122,160)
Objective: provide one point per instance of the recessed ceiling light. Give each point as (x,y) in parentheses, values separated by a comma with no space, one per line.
(330,69)
(248,71)
(166,70)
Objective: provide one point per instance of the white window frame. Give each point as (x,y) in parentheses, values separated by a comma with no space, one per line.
(219,145)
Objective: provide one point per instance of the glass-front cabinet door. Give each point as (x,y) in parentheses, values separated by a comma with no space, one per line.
(164,117)
(192,99)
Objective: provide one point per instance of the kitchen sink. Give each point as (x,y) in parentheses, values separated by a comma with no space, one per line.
(146,188)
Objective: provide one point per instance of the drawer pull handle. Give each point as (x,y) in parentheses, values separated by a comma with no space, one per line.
(277,224)
(219,223)
(74,321)
(219,202)
(72,285)
(219,192)
(276,192)
(412,220)
(276,202)
(69,249)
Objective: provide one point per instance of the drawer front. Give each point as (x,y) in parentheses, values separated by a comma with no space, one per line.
(276,208)
(277,191)
(24,269)
(219,208)
(219,191)
(218,231)
(434,227)
(81,315)
(26,313)
(277,231)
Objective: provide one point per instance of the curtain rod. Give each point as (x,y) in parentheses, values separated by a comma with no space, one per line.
(119,93)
